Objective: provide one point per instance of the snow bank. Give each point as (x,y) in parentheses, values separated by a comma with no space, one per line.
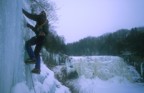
(43,83)
(114,85)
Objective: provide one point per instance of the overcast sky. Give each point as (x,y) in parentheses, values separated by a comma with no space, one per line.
(82,18)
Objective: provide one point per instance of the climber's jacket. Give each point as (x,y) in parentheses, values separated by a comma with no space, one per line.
(41,27)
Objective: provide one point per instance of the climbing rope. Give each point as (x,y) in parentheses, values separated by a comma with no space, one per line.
(32,81)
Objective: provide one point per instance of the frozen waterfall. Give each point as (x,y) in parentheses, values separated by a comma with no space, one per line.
(103,67)
(103,74)
(11,44)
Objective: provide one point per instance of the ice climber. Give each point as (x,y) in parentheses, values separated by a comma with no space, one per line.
(41,30)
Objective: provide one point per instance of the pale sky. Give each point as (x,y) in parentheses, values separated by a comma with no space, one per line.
(82,18)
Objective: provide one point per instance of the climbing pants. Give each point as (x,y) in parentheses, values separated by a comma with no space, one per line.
(38,41)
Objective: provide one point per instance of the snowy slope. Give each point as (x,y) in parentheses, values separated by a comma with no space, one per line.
(103,74)
(43,83)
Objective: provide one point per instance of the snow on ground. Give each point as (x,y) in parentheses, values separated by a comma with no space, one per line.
(114,85)
(43,83)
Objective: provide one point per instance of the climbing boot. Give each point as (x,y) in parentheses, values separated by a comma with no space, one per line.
(36,71)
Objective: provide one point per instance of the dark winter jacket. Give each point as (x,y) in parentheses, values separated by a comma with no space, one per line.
(41,22)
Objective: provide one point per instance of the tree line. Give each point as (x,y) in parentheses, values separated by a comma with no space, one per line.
(121,42)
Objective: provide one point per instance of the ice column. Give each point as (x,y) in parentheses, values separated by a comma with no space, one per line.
(11,44)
